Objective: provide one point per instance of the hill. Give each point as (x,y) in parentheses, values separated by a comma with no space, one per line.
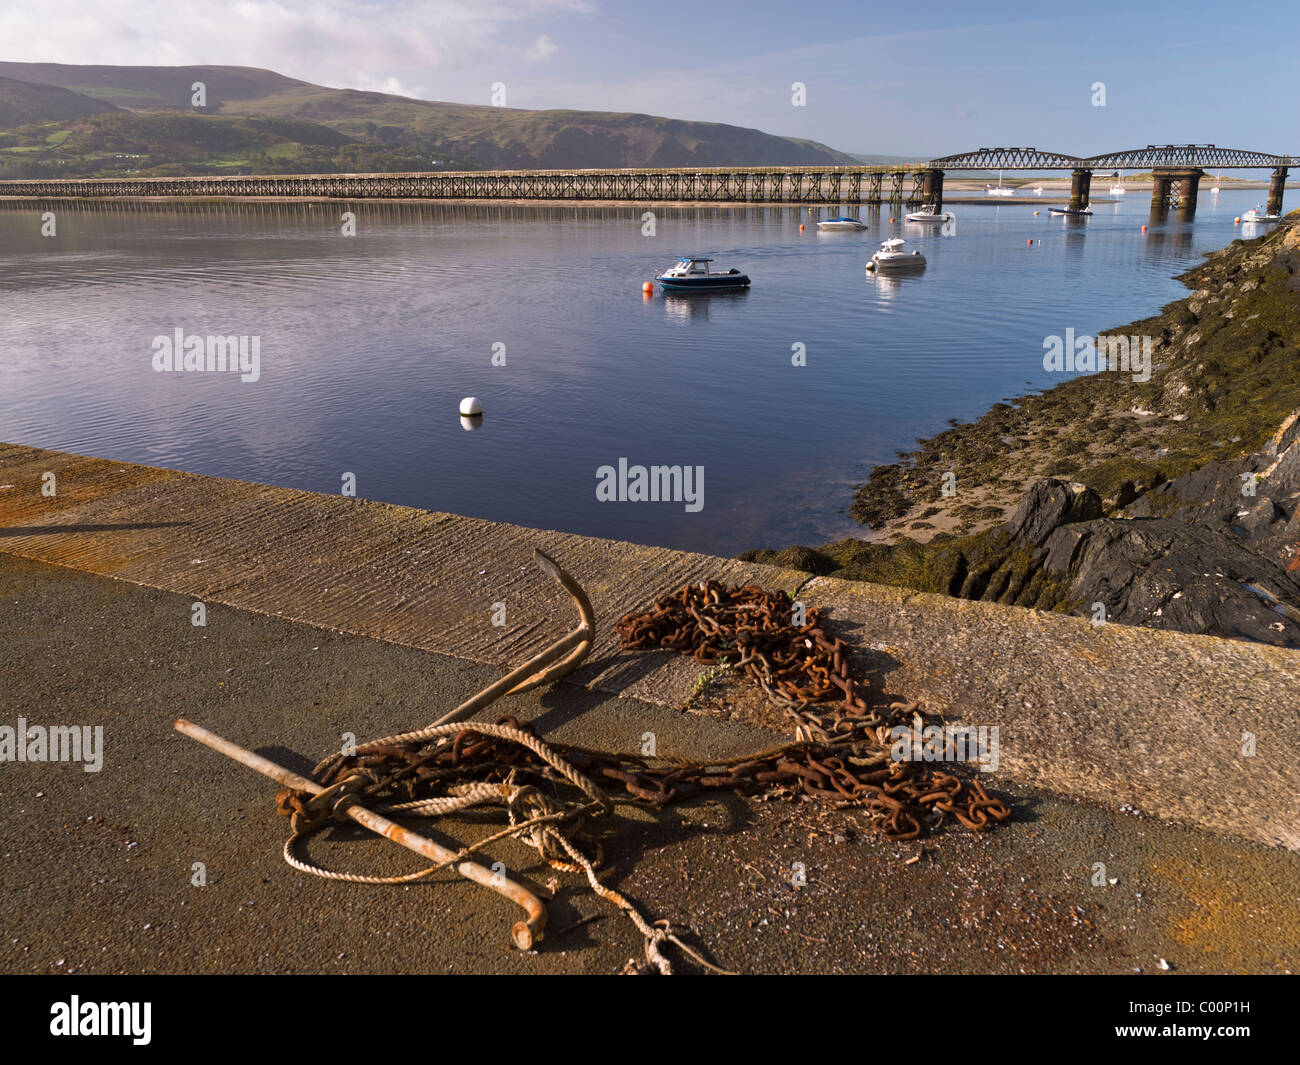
(153,88)
(425,134)
(23,102)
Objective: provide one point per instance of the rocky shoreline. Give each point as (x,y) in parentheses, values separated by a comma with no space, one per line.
(1170,502)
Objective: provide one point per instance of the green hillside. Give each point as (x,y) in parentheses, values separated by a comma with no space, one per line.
(22,102)
(153,88)
(257,120)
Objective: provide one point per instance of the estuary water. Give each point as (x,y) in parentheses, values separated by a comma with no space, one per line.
(367,343)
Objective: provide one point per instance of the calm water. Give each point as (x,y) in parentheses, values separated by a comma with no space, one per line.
(368,343)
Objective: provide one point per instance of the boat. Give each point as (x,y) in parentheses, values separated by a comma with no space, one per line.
(833,225)
(692,274)
(1069,210)
(999,189)
(928,213)
(1258,213)
(1038,190)
(892,257)
(1118,189)
(1218,180)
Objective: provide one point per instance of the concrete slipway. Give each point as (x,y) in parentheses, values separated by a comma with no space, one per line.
(328,615)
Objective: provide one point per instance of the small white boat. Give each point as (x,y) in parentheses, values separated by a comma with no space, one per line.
(1218,180)
(999,189)
(1118,189)
(1259,214)
(845,224)
(892,257)
(1038,191)
(1070,210)
(928,214)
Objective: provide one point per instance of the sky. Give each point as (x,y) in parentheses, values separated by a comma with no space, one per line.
(892,78)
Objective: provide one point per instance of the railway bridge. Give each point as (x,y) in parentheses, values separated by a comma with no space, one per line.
(1177,170)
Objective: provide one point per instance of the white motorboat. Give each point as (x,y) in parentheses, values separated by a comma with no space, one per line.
(1258,213)
(892,257)
(1218,180)
(845,224)
(929,214)
(1117,189)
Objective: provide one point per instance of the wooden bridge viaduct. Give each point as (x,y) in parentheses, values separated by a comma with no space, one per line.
(1177,169)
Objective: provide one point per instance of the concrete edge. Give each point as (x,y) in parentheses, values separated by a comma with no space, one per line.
(1159,721)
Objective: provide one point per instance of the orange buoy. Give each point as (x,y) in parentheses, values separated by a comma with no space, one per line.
(891,221)
(800,227)
(1144,229)
(1030,240)
(648,288)
(1236,221)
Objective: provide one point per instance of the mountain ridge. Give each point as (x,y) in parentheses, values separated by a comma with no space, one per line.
(379,127)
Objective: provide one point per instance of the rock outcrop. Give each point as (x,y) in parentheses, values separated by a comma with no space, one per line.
(1216,551)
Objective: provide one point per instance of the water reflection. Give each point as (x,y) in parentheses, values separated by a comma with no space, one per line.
(697,305)
(1176,239)
(889,283)
(362,337)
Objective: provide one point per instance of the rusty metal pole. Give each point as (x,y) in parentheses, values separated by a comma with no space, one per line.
(1276,186)
(524,934)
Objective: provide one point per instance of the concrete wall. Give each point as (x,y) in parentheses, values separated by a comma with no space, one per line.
(1116,714)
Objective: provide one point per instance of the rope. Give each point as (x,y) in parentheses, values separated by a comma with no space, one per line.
(534,819)
(841,755)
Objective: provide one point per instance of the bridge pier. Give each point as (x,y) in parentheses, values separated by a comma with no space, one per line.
(1275,186)
(933,188)
(1159,191)
(1188,181)
(1080,189)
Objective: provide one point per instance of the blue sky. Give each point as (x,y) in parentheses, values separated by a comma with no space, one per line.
(890,78)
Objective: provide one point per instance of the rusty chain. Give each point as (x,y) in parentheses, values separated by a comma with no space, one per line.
(844,755)
(841,754)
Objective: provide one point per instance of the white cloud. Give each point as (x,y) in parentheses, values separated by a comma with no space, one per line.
(541,49)
(365,44)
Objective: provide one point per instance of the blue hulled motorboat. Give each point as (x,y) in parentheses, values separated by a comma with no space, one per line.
(693,275)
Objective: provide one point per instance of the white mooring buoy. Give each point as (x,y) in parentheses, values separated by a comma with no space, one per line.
(470,407)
